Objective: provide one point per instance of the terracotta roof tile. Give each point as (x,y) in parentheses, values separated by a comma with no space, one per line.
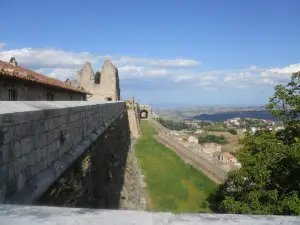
(228,155)
(8,70)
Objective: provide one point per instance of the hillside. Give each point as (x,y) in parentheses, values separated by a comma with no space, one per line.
(190,112)
(258,114)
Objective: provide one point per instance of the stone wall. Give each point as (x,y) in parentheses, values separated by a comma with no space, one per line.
(28,91)
(96,179)
(40,140)
(133,117)
(144,111)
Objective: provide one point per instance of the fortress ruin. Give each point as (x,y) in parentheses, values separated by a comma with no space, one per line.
(106,87)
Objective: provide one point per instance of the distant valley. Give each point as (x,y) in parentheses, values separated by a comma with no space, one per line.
(213,113)
(258,114)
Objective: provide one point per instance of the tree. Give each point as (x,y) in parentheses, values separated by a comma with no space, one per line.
(232,131)
(269,181)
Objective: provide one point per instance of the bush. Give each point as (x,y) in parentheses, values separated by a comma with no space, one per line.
(212,139)
(232,131)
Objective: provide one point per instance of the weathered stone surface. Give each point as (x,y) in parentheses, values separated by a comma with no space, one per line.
(133,117)
(36,215)
(31,147)
(108,89)
(133,195)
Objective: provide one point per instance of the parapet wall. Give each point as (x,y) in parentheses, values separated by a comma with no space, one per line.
(39,140)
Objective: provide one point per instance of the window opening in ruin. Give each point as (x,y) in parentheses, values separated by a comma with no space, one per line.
(12,95)
(108,98)
(50,96)
(71,97)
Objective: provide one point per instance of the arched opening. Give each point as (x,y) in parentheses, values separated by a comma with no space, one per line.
(144,114)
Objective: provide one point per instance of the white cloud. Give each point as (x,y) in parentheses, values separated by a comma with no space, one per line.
(64,64)
(2,45)
(58,73)
(285,70)
(131,71)
(48,58)
(154,62)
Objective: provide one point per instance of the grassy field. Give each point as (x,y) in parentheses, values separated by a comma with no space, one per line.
(233,140)
(172,185)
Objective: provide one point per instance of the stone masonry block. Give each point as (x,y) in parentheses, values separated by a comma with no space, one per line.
(20,164)
(11,171)
(4,174)
(7,119)
(20,182)
(26,129)
(32,157)
(56,133)
(39,154)
(50,136)
(44,163)
(39,140)
(44,151)
(2,193)
(39,126)
(49,124)
(28,173)
(8,134)
(48,113)
(27,145)
(17,148)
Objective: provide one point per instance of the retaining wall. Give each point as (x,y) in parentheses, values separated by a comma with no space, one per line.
(39,140)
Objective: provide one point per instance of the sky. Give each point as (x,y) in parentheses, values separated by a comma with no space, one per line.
(168,52)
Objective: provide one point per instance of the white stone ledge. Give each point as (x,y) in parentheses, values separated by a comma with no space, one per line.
(36,215)
(25,106)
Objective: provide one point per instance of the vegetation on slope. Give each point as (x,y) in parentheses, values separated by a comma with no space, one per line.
(175,124)
(211,138)
(269,181)
(172,185)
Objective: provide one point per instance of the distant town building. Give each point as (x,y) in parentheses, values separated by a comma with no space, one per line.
(21,84)
(199,131)
(225,157)
(211,148)
(192,139)
(253,129)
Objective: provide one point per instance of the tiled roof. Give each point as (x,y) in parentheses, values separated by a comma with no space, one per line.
(228,155)
(8,70)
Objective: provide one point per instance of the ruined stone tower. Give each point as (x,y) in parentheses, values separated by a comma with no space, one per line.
(109,82)
(107,90)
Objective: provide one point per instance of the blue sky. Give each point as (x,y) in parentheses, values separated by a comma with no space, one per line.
(188,52)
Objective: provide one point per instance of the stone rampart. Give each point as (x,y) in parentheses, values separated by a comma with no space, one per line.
(40,140)
(133,117)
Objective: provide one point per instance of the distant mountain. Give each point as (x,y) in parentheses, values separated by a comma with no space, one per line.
(260,114)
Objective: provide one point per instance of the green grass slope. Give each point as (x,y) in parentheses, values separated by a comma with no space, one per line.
(172,185)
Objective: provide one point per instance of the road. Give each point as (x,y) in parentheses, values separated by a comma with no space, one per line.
(214,172)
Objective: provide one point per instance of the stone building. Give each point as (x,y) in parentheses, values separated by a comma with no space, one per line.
(106,89)
(20,84)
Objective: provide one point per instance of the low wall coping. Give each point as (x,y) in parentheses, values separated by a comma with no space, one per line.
(36,215)
(25,106)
